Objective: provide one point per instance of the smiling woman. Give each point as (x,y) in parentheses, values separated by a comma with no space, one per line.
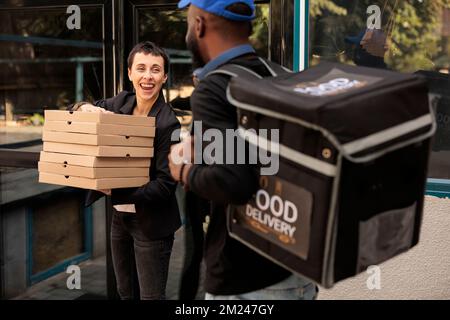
(147,70)
(145,218)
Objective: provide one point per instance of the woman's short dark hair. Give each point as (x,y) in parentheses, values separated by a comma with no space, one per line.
(148,47)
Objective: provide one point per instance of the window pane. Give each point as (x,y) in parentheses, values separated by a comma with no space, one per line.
(410,36)
(45,65)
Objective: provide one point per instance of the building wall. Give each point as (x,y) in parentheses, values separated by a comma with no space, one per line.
(15,251)
(15,245)
(99,228)
(421,273)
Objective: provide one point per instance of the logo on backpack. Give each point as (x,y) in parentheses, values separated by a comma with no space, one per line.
(333,83)
(330,88)
(281,213)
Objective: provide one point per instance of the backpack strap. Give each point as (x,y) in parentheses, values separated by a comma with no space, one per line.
(234,70)
(275,69)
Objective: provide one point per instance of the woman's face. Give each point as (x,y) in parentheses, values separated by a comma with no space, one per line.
(147,75)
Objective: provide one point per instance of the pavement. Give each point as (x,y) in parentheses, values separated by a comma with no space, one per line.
(93,279)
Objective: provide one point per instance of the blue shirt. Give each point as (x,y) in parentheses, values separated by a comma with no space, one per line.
(224,58)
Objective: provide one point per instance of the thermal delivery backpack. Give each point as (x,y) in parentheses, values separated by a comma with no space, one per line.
(353,146)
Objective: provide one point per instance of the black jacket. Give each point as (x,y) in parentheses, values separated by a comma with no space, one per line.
(156,205)
(231,267)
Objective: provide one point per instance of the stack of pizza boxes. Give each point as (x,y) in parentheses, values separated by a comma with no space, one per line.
(96,151)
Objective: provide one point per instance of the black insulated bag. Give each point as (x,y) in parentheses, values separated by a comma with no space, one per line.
(353,148)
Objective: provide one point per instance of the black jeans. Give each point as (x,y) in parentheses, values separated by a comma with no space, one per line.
(151,258)
(195,211)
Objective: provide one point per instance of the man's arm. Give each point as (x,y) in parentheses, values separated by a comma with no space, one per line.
(222,183)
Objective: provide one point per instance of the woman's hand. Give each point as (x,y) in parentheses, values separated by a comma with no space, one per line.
(91,108)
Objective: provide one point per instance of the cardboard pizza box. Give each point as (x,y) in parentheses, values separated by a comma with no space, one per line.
(99,151)
(94,162)
(92,184)
(106,118)
(99,128)
(96,140)
(93,173)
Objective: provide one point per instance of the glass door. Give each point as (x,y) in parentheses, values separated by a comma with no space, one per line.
(51,55)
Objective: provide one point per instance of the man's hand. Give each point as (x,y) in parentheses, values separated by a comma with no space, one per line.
(92,108)
(181,157)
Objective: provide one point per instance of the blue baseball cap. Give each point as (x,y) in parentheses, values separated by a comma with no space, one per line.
(218,7)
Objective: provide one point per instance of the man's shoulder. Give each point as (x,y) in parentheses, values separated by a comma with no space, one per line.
(253,62)
(213,81)
(214,86)
(221,80)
